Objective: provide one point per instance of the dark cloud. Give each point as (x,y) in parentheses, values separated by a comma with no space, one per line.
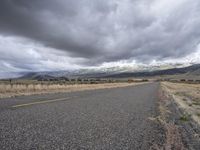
(105,30)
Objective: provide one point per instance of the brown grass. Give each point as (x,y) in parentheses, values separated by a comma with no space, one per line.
(187,96)
(172,134)
(9,90)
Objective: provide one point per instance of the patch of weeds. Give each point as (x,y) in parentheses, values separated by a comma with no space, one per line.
(184,99)
(185,117)
(179,94)
(198,114)
(190,104)
(195,99)
(196,103)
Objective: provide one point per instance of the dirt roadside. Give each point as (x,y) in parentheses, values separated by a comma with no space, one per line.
(182,131)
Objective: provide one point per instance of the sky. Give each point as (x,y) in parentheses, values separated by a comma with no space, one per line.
(49,35)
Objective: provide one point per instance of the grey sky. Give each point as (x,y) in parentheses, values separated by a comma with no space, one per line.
(66,34)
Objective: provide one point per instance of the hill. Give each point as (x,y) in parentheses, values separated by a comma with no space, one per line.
(184,72)
(188,71)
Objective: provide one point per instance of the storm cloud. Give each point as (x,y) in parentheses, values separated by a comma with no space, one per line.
(92,32)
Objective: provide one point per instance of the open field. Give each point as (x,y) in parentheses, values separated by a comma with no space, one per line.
(187,96)
(27,88)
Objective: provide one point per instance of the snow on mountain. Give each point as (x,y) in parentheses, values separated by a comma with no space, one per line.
(96,70)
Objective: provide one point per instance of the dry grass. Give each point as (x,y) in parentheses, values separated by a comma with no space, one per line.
(187,96)
(9,90)
(172,134)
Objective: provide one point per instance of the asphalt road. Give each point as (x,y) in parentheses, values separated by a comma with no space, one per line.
(100,119)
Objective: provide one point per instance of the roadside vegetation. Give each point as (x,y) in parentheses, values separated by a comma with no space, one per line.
(172,135)
(187,96)
(179,107)
(179,114)
(9,88)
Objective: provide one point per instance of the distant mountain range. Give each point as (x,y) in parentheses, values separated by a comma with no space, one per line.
(112,72)
(189,70)
(193,70)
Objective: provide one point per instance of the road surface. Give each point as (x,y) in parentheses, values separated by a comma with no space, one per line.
(115,118)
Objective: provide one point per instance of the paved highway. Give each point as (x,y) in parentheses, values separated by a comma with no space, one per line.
(99,119)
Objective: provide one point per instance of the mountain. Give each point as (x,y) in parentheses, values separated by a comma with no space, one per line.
(113,72)
(190,70)
(193,70)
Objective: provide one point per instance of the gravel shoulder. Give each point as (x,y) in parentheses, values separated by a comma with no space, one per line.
(182,127)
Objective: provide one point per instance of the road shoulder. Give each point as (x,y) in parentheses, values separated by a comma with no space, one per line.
(182,132)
